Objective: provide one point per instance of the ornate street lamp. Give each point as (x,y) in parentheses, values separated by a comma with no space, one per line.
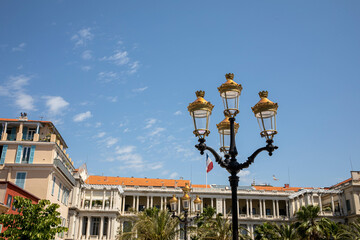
(185,199)
(265,111)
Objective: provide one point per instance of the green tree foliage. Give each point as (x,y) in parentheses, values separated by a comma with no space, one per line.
(309,224)
(152,224)
(34,222)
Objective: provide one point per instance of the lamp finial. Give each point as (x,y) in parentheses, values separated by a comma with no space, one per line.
(200,93)
(263,94)
(229,76)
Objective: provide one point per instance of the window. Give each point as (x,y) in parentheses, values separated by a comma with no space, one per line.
(8,201)
(95,224)
(20,179)
(268,212)
(13,207)
(59,193)
(254,211)
(84,226)
(29,134)
(105,227)
(25,155)
(65,196)
(53,186)
(348,207)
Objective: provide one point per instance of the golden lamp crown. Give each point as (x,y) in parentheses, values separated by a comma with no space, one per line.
(263,94)
(229,76)
(200,94)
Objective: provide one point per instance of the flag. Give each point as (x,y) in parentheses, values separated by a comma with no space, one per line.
(275,179)
(209,164)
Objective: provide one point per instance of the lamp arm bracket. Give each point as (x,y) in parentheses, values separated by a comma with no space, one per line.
(269,147)
(202,147)
(175,216)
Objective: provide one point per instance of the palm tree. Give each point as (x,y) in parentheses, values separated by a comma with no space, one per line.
(351,231)
(331,229)
(286,232)
(266,231)
(152,224)
(308,225)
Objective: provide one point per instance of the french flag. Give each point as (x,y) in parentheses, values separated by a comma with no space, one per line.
(209,164)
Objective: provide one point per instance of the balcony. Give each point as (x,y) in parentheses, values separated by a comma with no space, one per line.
(60,165)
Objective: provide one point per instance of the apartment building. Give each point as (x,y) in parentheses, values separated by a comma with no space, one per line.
(33,157)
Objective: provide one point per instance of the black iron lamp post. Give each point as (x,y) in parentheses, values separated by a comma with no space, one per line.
(186,206)
(265,112)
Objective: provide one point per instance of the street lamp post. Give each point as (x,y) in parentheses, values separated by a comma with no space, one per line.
(186,206)
(265,112)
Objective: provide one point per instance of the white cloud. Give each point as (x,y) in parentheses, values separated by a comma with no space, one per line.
(174,175)
(107,76)
(244,173)
(138,90)
(18,82)
(177,113)
(157,131)
(112,99)
(126,130)
(24,101)
(101,134)
(87,55)
(119,58)
(134,67)
(56,104)
(110,141)
(98,124)
(150,122)
(19,48)
(86,68)
(82,37)
(125,149)
(82,116)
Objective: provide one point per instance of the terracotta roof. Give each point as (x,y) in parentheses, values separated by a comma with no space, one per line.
(200,186)
(17,120)
(279,189)
(340,183)
(136,181)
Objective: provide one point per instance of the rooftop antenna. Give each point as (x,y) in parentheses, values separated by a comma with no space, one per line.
(41,118)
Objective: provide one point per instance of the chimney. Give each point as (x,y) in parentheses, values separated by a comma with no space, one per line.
(286,185)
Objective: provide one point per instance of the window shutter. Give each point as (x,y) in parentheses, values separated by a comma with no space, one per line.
(25,131)
(1,131)
(18,154)
(3,154)
(32,152)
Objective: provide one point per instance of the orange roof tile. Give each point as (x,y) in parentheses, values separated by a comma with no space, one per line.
(17,120)
(279,189)
(200,186)
(340,183)
(105,180)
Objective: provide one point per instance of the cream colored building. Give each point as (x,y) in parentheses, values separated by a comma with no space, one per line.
(33,156)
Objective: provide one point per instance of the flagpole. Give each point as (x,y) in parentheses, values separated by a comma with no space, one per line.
(206,178)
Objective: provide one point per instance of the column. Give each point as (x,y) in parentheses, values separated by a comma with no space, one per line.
(202,206)
(260,208)
(78,235)
(277,209)
(273,201)
(251,208)
(152,201)
(134,200)
(103,202)
(109,229)
(161,203)
(249,230)
(137,203)
(88,227)
(179,206)
(247,207)
(113,229)
(287,208)
(225,213)
(111,199)
(123,205)
(19,133)
(320,203)
(101,227)
(264,207)
(312,198)
(120,202)
(212,202)
(147,201)
(332,204)
(91,197)
(340,205)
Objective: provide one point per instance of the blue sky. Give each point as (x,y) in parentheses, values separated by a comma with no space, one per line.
(116,78)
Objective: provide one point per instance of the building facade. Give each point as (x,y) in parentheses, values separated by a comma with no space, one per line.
(33,157)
